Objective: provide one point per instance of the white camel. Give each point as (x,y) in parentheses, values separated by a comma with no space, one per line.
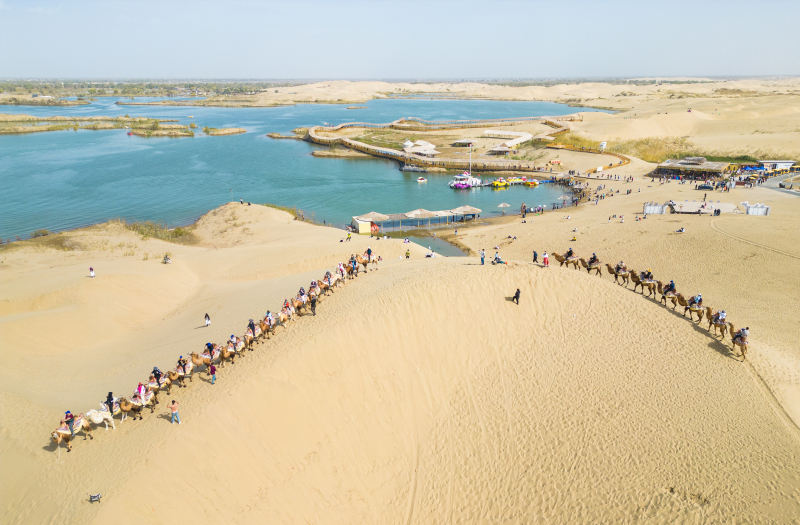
(97,417)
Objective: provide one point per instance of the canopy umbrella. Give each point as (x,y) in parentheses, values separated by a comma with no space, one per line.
(465,210)
(373,216)
(420,214)
(504,205)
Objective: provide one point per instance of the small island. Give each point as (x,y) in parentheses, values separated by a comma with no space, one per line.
(223,131)
(17,124)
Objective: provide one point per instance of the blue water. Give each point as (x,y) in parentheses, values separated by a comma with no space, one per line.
(67,179)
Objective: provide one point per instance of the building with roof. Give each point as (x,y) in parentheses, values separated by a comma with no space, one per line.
(692,168)
(770,165)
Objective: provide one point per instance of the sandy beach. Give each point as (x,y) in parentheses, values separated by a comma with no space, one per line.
(420,393)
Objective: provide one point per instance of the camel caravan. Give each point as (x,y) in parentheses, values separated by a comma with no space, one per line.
(692,305)
(256,332)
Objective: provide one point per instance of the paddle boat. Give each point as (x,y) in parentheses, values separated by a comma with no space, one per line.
(531,183)
(464,181)
(422,179)
(499,183)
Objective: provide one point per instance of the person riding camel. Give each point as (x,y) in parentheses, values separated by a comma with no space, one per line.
(110,400)
(696,301)
(69,420)
(182,363)
(621,267)
(341,270)
(593,259)
(369,253)
(719,317)
(570,253)
(647,276)
(157,375)
(141,391)
(252,327)
(670,288)
(741,335)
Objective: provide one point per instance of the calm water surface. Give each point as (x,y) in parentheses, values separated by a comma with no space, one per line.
(67,179)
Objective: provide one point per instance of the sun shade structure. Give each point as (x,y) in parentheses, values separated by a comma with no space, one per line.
(420,214)
(465,210)
(504,205)
(373,216)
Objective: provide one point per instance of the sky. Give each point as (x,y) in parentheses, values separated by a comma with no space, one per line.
(400,39)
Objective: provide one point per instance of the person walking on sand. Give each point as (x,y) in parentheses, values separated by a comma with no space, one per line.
(174,408)
(535,257)
(348,236)
(482,253)
(408,254)
(546,260)
(208,320)
(91,272)
(314,304)
(213,371)
(516,296)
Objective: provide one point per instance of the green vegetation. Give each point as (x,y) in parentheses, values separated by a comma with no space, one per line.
(159,230)
(40,233)
(293,211)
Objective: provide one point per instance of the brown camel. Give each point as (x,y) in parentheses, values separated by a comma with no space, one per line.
(693,309)
(722,326)
(349,271)
(62,433)
(266,328)
(126,406)
(644,283)
(298,304)
(323,287)
(227,352)
(249,340)
(571,261)
(741,343)
(152,386)
(624,277)
(283,318)
(671,295)
(594,267)
(365,262)
(199,360)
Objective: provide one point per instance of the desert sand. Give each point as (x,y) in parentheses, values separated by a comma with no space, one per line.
(419,393)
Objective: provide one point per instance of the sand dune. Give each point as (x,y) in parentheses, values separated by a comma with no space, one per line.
(419,393)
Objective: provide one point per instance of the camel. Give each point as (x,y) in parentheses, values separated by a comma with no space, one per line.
(249,340)
(153,385)
(694,309)
(365,262)
(664,296)
(742,344)
(638,281)
(621,276)
(200,360)
(298,304)
(150,398)
(179,375)
(283,318)
(97,417)
(721,325)
(265,328)
(62,433)
(560,258)
(591,267)
(227,351)
(126,406)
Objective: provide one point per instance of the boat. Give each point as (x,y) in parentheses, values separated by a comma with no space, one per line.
(130,133)
(499,183)
(464,181)
(412,168)
(422,179)
(532,183)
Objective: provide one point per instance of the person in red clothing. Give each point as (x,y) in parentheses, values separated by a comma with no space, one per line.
(213,371)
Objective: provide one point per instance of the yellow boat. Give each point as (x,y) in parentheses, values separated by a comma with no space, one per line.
(532,183)
(499,183)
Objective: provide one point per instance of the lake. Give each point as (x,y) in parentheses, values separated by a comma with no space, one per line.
(67,179)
